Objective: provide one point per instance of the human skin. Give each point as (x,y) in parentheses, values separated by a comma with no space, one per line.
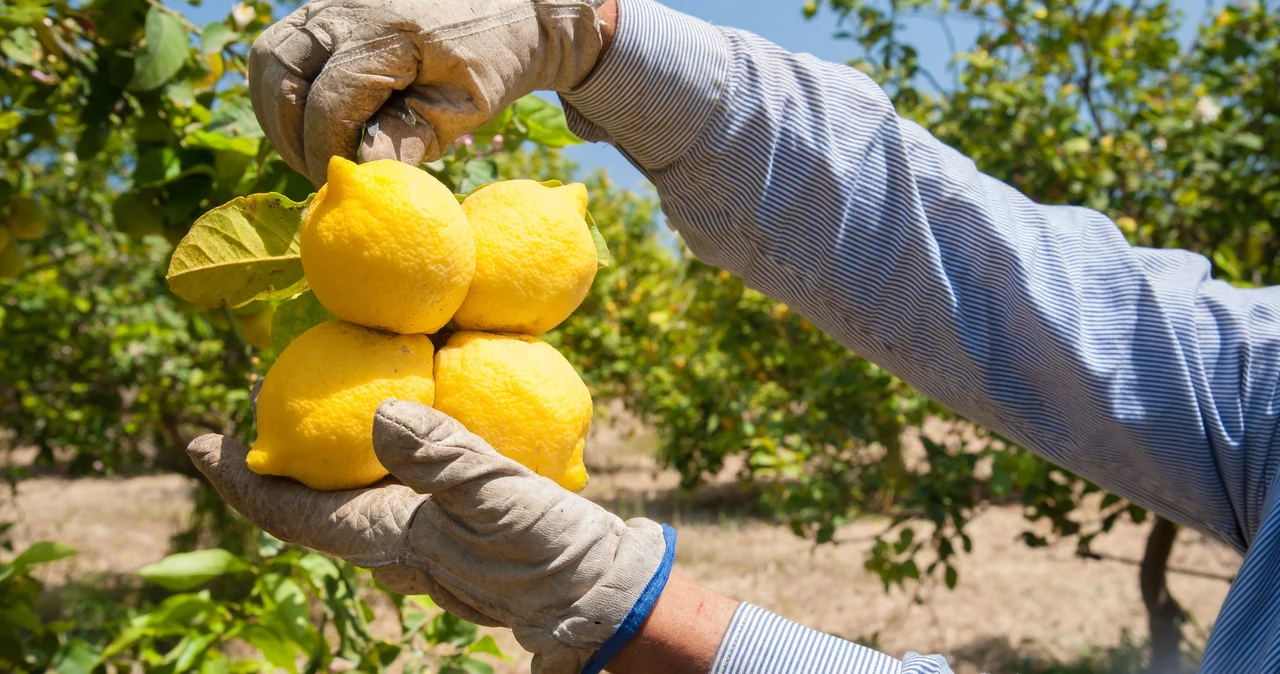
(681,635)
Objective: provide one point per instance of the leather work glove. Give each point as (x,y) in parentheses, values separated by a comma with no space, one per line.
(420,72)
(486,538)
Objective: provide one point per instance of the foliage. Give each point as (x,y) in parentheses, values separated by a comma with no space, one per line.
(126,123)
(289,610)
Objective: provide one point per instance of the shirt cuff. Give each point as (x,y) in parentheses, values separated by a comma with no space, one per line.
(759,641)
(656,87)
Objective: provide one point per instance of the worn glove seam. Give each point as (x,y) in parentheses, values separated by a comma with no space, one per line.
(469,28)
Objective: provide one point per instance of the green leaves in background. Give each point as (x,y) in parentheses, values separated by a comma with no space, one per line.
(244,250)
(215,37)
(164,52)
(296,316)
(542,122)
(602,247)
(187,570)
(41,553)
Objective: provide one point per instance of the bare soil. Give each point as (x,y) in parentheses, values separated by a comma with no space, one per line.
(1012,601)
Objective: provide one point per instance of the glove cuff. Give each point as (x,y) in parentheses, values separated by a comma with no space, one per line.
(639,611)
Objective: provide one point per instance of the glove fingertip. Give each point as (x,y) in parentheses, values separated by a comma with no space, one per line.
(206,448)
(216,456)
(400,426)
(389,136)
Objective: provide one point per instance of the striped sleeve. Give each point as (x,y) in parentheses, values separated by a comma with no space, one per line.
(759,642)
(1129,366)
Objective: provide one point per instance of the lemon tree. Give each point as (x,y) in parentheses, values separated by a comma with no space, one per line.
(123,124)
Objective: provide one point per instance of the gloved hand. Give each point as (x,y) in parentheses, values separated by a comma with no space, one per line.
(322,72)
(487,539)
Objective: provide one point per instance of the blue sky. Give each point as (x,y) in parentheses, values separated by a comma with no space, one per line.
(780,21)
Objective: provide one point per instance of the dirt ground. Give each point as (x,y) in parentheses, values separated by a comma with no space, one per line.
(1012,602)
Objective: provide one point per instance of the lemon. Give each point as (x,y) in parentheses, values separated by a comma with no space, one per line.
(11,262)
(28,219)
(385,245)
(315,409)
(256,326)
(518,393)
(535,258)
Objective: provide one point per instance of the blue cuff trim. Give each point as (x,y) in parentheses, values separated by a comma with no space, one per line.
(641,610)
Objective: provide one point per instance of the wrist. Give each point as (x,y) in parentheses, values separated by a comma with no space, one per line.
(607,16)
(681,635)
(658,86)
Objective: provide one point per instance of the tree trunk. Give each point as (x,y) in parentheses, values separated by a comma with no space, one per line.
(1163,612)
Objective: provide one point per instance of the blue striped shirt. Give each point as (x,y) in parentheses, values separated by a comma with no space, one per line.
(1130,366)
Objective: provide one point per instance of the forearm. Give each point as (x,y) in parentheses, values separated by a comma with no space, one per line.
(1039,322)
(694,630)
(682,633)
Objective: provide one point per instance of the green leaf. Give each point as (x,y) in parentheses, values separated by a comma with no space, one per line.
(193,649)
(275,649)
(75,657)
(469,666)
(1248,140)
(212,140)
(268,545)
(21,615)
(22,12)
(215,37)
(181,610)
(131,635)
(603,258)
(487,645)
(186,570)
(21,46)
(163,54)
(244,250)
(319,569)
(235,118)
(295,317)
(41,553)
(495,126)
(215,663)
(477,174)
(157,166)
(136,214)
(181,93)
(1076,146)
(449,628)
(952,577)
(292,611)
(544,122)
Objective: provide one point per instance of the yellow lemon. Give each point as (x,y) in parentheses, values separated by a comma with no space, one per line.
(385,245)
(315,409)
(28,219)
(518,393)
(256,326)
(11,261)
(535,258)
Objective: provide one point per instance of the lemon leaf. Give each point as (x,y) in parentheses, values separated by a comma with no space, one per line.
(163,54)
(551,183)
(186,570)
(296,316)
(244,250)
(460,197)
(603,258)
